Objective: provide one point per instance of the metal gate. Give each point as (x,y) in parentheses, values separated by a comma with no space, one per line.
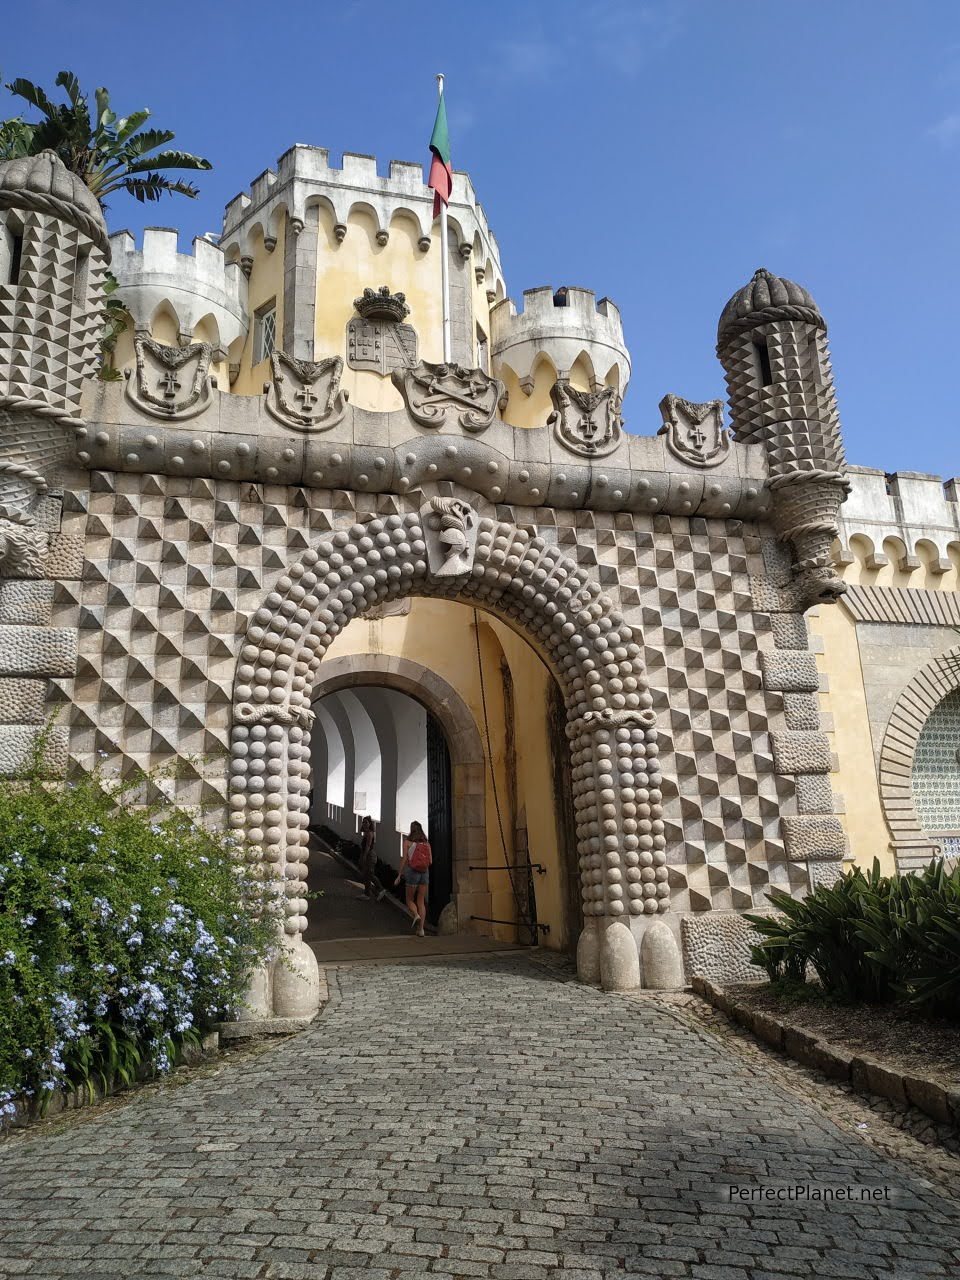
(439,820)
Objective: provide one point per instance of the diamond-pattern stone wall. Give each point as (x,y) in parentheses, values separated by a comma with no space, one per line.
(175,567)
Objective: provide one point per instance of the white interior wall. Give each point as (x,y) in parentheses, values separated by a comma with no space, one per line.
(367,768)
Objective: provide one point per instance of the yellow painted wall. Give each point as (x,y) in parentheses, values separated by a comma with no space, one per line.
(345,269)
(845,701)
(529,410)
(439,635)
(266,282)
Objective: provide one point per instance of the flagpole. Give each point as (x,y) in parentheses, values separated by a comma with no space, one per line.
(444,266)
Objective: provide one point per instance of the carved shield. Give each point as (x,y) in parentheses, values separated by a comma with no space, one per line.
(447,395)
(586,422)
(170,382)
(694,432)
(380,345)
(306,394)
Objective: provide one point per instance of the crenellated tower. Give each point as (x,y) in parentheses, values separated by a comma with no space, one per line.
(561,336)
(772,343)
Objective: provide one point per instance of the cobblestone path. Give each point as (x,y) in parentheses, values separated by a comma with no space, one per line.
(468,1117)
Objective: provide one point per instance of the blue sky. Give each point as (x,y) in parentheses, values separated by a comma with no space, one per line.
(654,151)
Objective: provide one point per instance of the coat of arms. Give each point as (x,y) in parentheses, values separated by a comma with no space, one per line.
(694,432)
(586,422)
(376,338)
(169,382)
(306,394)
(447,395)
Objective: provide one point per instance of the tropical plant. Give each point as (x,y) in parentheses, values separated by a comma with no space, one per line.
(108,153)
(871,937)
(116,322)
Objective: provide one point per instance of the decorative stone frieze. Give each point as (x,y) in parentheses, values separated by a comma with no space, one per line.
(447,395)
(694,432)
(306,394)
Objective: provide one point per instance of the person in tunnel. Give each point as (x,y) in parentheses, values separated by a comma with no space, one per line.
(415,874)
(372,888)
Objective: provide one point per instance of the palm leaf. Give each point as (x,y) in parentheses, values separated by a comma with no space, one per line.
(168,160)
(149,140)
(130,124)
(33,94)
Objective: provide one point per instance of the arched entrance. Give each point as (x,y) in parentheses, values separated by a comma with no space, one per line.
(447,549)
(462,811)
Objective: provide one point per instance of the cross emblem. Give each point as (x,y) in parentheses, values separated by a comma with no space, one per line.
(696,438)
(306,397)
(169,385)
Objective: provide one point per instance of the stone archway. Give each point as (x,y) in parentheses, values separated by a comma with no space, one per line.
(932,683)
(448,550)
(467,759)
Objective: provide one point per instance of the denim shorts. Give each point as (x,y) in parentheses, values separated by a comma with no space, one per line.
(415,877)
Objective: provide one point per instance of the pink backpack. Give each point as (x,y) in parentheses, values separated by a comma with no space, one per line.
(420,856)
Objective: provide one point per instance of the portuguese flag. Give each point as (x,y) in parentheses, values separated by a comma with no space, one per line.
(441,173)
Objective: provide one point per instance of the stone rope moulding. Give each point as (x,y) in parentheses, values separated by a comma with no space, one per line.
(586,643)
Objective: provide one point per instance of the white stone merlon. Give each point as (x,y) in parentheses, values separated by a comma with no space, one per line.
(195,286)
(305,177)
(907,506)
(563,331)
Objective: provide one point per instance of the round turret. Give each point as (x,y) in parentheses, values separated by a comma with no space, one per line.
(765,297)
(43,181)
(772,342)
(53,260)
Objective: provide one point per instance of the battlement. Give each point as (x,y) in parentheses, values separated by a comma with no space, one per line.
(196,286)
(563,324)
(910,507)
(304,177)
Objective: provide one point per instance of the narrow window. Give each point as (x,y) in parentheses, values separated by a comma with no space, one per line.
(482,351)
(265,332)
(11,249)
(763,361)
(16,254)
(81,273)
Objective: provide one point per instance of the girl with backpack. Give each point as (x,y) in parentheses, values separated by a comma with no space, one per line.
(415,874)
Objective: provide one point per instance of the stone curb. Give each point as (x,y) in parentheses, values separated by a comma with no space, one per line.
(836,1061)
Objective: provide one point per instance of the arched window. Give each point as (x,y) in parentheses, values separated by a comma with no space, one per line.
(936,775)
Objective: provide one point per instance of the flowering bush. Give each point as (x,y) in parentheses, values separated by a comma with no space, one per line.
(124,933)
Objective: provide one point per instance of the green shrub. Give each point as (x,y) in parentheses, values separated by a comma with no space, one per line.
(871,937)
(124,933)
